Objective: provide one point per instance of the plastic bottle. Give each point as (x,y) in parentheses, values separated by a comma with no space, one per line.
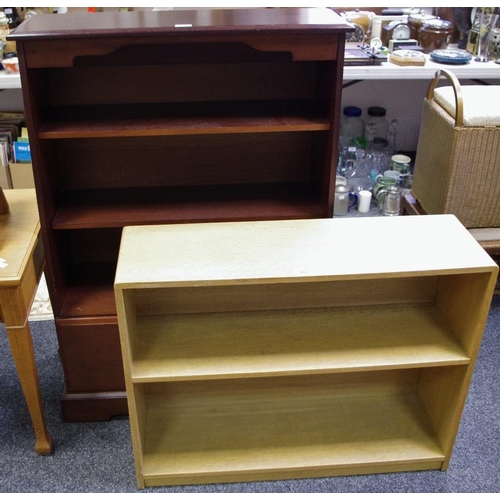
(376,124)
(352,128)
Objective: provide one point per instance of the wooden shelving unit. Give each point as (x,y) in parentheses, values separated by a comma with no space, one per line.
(159,117)
(266,350)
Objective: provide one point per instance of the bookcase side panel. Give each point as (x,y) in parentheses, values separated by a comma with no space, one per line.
(127,314)
(464,300)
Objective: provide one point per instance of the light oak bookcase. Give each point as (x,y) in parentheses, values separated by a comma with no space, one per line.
(300,348)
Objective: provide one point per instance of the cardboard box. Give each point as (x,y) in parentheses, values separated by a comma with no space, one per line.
(21,175)
(5,182)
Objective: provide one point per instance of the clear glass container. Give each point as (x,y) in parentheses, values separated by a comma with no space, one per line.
(352,127)
(376,125)
(341,202)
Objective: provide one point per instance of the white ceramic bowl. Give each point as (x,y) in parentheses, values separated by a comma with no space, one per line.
(11,64)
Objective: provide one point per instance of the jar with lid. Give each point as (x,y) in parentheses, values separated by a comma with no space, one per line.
(415,21)
(352,128)
(376,125)
(435,34)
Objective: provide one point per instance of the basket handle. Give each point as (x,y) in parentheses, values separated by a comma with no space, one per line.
(459,103)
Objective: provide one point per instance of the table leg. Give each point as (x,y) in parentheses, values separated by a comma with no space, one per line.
(24,357)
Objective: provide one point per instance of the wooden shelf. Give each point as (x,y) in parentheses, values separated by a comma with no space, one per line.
(107,208)
(90,291)
(239,344)
(272,351)
(182,119)
(299,426)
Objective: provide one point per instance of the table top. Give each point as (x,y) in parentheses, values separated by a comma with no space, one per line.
(389,71)
(9,80)
(18,235)
(386,71)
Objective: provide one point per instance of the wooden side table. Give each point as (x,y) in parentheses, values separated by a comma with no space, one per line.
(487,237)
(21,267)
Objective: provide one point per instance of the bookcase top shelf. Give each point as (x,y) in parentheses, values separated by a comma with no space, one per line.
(297,250)
(213,21)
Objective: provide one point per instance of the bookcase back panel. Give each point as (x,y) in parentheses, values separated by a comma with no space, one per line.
(182,83)
(284,296)
(94,245)
(193,160)
(285,391)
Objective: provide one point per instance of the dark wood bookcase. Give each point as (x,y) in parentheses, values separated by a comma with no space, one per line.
(167,117)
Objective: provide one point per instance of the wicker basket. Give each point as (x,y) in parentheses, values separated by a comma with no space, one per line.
(457,167)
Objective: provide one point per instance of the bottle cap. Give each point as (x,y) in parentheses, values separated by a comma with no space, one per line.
(376,111)
(352,111)
(340,188)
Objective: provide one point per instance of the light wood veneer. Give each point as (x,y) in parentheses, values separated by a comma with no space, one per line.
(279,349)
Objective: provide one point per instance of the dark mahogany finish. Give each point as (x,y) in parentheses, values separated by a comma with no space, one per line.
(167,117)
(213,22)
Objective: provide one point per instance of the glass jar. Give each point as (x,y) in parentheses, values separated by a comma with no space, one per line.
(352,128)
(376,125)
(341,201)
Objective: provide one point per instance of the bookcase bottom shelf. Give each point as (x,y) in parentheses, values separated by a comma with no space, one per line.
(224,431)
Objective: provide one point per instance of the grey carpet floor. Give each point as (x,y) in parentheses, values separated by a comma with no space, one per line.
(97,457)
